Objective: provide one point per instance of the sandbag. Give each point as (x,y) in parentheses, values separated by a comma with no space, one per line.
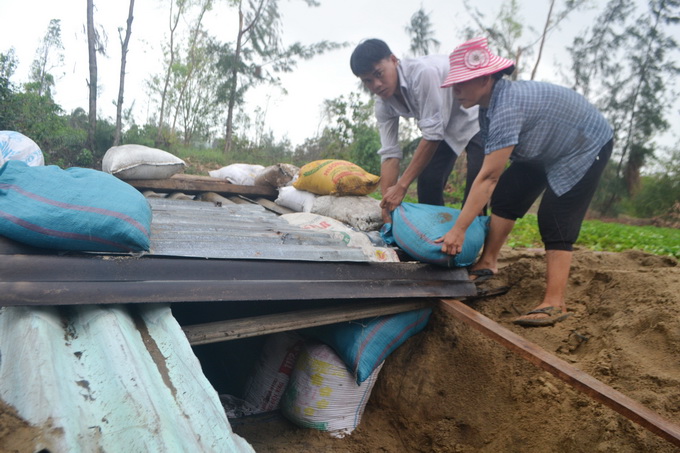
(75,209)
(415,227)
(341,231)
(363,345)
(239,174)
(335,177)
(16,146)
(297,200)
(269,379)
(358,211)
(277,175)
(322,394)
(141,162)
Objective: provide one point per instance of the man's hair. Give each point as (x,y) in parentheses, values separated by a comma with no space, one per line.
(367,54)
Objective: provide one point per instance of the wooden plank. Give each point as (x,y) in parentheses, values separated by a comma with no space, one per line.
(267,324)
(581,381)
(195,184)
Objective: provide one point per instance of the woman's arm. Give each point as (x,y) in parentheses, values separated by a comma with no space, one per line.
(480,194)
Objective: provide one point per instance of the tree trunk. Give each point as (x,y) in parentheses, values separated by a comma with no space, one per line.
(92,54)
(123,62)
(234,86)
(543,38)
(173,27)
(234,72)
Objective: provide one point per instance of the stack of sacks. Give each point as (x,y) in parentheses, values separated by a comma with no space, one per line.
(337,189)
(16,146)
(129,162)
(322,378)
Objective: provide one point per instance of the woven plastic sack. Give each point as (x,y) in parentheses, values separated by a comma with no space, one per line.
(322,394)
(239,174)
(141,162)
(16,146)
(364,344)
(269,379)
(415,228)
(74,209)
(335,177)
(297,200)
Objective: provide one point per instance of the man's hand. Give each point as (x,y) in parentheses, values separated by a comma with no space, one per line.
(392,198)
(452,242)
(386,216)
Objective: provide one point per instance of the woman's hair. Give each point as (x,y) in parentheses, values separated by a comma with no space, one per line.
(367,54)
(507,71)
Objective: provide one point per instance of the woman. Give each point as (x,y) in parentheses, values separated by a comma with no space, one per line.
(558,145)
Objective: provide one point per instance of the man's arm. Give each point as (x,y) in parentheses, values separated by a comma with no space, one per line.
(394,190)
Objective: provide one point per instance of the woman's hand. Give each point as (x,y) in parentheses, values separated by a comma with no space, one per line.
(452,242)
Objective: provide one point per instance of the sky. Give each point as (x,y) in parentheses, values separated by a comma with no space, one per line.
(296,115)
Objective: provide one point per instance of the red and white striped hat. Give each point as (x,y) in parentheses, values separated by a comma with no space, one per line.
(473,59)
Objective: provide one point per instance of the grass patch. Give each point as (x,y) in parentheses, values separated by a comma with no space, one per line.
(605,236)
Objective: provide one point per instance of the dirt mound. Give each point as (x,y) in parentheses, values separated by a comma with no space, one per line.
(450,389)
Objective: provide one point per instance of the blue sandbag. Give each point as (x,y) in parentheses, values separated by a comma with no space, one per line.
(76,209)
(415,227)
(365,344)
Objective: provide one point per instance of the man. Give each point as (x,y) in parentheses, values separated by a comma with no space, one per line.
(411,88)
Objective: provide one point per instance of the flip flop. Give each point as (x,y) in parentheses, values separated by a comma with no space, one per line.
(555,315)
(482,275)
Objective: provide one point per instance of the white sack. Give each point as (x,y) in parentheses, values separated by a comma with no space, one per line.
(16,146)
(323,394)
(269,379)
(361,212)
(239,174)
(297,200)
(141,162)
(352,238)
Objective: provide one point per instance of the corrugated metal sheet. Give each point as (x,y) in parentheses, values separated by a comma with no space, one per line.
(237,231)
(108,378)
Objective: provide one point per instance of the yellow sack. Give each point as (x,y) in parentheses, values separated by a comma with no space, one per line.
(335,177)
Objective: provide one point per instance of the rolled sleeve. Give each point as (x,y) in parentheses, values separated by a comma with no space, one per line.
(388,127)
(430,98)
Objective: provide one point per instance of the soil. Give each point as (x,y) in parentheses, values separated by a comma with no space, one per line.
(451,389)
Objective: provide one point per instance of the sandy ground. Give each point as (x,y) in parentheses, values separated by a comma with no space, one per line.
(451,389)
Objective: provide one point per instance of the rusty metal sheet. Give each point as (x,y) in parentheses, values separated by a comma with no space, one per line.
(64,280)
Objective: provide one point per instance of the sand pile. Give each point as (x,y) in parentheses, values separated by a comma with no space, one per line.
(450,389)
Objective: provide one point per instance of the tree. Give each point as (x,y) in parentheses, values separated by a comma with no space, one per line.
(124,42)
(96,44)
(173,23)
(258,54)
(626,67)
(422,36)
(507,31)
(48,57)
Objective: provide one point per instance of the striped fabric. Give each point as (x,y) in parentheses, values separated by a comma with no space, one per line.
(365,344)
(416,226)
(473,59)
(76,209)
